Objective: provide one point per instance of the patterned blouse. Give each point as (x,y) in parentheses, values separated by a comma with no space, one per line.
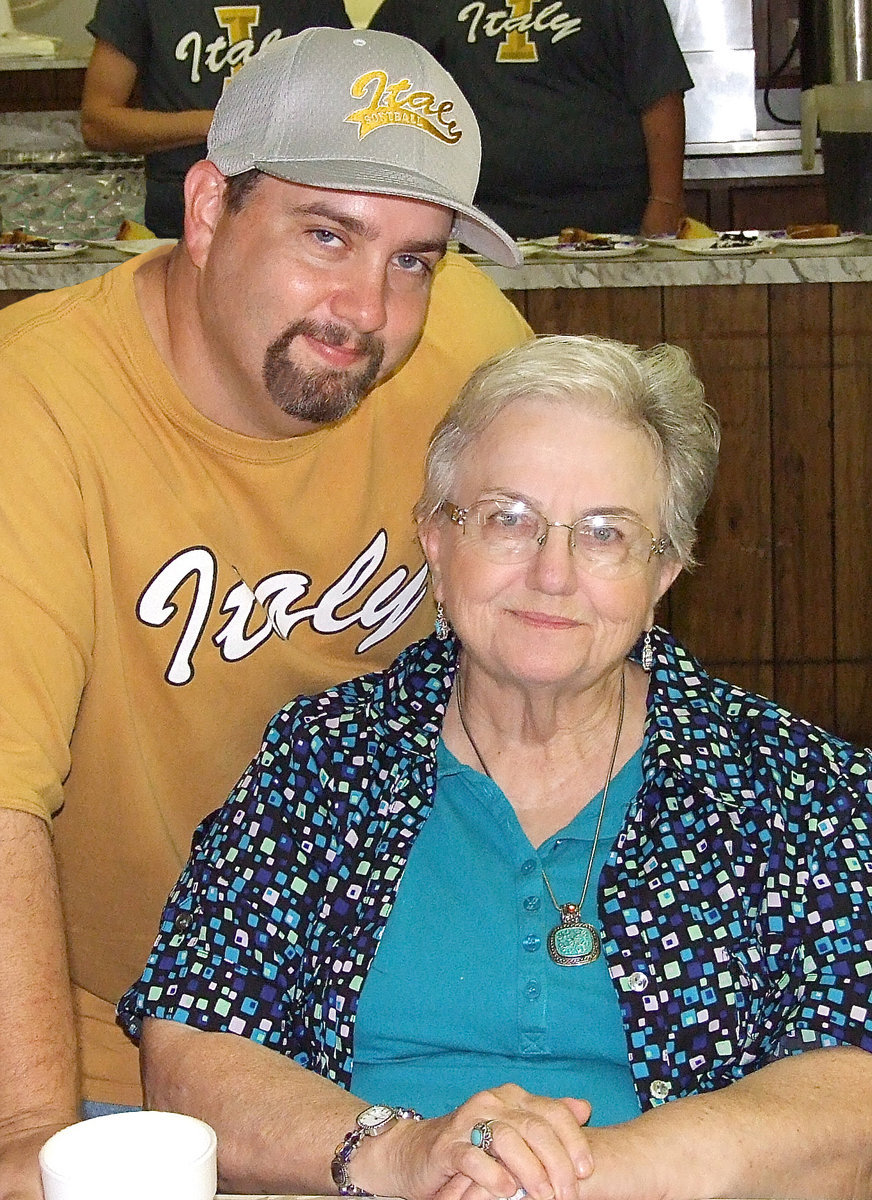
(736,904)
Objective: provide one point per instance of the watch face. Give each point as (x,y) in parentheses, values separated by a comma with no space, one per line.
(375,1115)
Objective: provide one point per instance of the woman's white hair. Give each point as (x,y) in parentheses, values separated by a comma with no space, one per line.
(654,390)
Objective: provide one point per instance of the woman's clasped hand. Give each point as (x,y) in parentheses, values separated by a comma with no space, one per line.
(538,1144)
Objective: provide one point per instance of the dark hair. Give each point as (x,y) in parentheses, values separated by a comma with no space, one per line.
(239,188)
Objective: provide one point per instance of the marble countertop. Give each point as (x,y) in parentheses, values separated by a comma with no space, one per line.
(654,266)
(66,57)
(658,266)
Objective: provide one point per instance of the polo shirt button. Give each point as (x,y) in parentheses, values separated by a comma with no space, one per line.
(184,920)
(529,866)
(638,981)
(532,990)
(532,903)
(531,943)
(660,1089)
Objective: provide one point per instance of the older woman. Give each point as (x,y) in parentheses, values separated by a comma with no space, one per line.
(603,920)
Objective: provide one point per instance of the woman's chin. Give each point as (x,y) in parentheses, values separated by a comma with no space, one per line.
(544,670)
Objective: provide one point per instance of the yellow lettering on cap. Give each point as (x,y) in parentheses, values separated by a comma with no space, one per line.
(396,103)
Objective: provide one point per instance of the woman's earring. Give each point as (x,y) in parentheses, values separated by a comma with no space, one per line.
(647,652)
(443,629)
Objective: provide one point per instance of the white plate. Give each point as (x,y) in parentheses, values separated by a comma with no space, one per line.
(710,246)
(131,245)
(622,246)
(784,239)
(56,250)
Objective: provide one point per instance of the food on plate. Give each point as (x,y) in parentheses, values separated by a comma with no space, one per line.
(19,238)
(738,237)
(689,227)
(132,231)
(819,229)
(582,239)
(572,233)
(571,236)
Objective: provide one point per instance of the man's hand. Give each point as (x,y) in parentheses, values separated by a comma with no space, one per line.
(19,1162)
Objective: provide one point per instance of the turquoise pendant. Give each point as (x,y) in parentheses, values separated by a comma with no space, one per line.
(573,943)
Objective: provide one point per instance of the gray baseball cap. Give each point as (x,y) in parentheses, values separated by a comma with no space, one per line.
(358,110)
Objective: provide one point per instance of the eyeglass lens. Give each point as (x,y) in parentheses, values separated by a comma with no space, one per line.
(513,530)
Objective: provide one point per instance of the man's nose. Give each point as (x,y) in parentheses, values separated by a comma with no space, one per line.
(361,299)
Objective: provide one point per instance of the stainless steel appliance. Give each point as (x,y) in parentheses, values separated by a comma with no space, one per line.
(835,41)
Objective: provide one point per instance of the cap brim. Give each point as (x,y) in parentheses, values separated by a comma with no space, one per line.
(472,227)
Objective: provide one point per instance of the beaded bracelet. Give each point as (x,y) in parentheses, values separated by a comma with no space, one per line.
(351,1141)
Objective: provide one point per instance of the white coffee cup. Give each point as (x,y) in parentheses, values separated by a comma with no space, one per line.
(131,1156)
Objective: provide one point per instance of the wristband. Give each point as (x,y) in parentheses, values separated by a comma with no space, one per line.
(370,1123)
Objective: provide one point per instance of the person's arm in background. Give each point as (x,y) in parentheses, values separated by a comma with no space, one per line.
(38,1086)
(663,130)
(109,122)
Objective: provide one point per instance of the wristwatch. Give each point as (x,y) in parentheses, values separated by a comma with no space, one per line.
(370,1123)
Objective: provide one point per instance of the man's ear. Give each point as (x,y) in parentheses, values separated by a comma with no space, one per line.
(204,204)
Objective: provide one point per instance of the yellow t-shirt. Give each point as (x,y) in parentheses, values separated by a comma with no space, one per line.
(166,585)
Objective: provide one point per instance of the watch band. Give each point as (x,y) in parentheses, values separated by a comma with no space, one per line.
(352,1139)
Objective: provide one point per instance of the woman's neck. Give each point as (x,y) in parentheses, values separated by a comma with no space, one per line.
(549,754)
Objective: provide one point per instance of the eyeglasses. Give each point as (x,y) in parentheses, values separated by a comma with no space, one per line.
(609,545)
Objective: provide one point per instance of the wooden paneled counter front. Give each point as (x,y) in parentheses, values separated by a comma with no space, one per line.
(783,342)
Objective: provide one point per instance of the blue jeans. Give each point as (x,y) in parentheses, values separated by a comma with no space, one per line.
(96,1108)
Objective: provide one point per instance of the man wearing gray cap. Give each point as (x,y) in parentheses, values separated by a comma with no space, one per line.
(200,516)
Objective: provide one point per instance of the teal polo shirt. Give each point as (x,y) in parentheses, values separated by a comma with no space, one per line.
(462,994)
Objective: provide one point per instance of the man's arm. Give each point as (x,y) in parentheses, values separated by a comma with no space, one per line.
(38,1086)
(663,130)
(110,123)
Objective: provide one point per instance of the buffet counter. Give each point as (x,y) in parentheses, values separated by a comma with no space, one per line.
(651,267)
(783,342)
(24,276)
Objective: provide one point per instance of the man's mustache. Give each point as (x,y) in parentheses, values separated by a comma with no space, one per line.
(333,334)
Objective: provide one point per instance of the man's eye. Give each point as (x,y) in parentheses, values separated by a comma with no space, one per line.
(411,262)
(326,237)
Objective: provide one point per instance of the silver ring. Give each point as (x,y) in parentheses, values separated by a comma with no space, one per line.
(482,1135)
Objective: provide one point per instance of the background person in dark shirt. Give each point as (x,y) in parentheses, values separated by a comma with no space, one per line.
(157,70)
(580,104)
